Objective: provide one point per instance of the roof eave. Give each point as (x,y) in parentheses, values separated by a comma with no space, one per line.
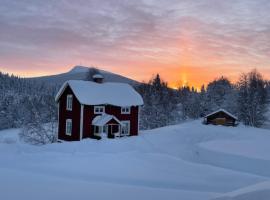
(222,110)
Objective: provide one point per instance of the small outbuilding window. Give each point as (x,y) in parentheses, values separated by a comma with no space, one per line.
(125,110)
(69,102)
(68,127)
(99,109)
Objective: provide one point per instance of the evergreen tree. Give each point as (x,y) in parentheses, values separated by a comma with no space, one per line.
(191,103)
(220,94)
(160,104)
(252,99)
(18,97)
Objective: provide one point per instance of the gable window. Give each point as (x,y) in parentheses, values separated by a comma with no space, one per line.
(125,110)
(69,102)
(68,127)
(99,109)
(125,128)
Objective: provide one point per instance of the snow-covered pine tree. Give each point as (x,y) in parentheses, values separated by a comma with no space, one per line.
(18,96)
(203,102)
(220,94)
(160,104)
(252,99)
(191,103)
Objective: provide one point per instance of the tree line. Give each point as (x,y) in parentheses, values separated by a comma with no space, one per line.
(28,103)
(23,101)
(248,99)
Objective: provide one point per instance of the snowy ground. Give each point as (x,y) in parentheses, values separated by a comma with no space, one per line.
(190,161)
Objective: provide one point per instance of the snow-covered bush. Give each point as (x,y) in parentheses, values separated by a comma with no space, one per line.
(39,134)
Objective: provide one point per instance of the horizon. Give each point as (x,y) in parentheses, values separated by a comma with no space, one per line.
(180,85)
(187,43)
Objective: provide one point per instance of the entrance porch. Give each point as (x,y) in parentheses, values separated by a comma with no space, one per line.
(109,126)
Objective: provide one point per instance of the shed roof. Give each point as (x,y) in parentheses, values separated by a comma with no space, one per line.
(222,110)
(91,93)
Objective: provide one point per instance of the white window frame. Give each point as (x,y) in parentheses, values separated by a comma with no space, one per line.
(69,127)
(128,133)
(69,102)
(125,110)
(99,109)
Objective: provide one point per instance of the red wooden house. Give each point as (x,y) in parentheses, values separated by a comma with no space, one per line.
(95,109)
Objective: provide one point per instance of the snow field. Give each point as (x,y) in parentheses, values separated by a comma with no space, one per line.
(176,162)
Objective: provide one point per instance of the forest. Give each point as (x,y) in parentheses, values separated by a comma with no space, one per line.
(25,102)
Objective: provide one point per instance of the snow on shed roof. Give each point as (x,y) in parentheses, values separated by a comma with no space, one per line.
(91,93)
(102,120)
(222,110)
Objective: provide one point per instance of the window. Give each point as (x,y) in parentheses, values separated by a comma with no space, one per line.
(125,129)
(99,109)
(68,127)
(69,102)
(125,110)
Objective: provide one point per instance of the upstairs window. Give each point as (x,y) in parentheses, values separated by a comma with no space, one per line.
(69,102)
(69,127)
(99,109)
(125,110)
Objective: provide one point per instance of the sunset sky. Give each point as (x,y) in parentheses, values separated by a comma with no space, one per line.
(186,41)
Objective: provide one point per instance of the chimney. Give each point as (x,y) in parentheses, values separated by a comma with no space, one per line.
(98,78)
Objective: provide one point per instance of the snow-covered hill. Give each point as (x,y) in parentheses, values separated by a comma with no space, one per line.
(80,73)
(189,161)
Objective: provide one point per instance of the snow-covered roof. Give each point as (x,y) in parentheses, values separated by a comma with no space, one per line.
(91,93)
(222,110)
(102,120)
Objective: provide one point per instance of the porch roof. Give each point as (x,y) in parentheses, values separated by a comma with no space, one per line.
(102,120)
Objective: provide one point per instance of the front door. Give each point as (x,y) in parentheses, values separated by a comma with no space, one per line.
(113,129)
